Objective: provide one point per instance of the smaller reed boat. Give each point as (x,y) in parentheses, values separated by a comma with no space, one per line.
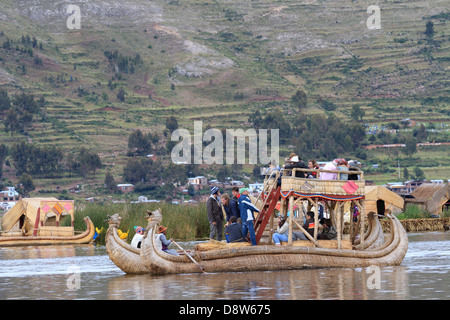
(38,221)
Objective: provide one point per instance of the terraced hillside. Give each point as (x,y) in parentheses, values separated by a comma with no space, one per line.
(217,61)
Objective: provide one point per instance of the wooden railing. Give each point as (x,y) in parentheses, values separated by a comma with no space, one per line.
(359,173)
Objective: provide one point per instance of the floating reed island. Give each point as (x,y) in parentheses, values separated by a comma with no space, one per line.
(366,244)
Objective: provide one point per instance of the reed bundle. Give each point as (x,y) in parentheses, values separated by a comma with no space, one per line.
(217,245)
(416,225)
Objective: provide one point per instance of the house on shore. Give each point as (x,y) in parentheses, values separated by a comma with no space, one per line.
(433,198)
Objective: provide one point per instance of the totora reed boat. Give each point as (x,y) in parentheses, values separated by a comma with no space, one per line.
(364,245)
(151,260)
(37,221)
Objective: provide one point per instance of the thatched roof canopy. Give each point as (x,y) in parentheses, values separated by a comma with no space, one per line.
(432,196)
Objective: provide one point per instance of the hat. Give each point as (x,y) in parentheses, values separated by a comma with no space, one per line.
(161,229)
(243,190)
(353,163)
(214,190)
(139,229)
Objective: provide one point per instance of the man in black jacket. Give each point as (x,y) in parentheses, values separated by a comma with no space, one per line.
(215,215)
(296,162)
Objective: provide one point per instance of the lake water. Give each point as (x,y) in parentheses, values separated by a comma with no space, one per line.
(85,272)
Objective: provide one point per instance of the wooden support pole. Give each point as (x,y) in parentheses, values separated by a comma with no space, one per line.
(338,225)
(316,217)
(352,206)
(291,214)
(362,215)
(271,228)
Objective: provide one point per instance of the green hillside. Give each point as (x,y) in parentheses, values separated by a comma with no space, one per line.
(219,61)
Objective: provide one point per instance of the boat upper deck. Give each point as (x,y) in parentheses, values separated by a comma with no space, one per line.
(290,182)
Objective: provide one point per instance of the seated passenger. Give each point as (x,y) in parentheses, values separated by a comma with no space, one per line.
(137,239)
(162,243)
(328,232)
(273,168)
(295,163)
(312,164)
(330,166)
(353,166)
(343,166)
(233,231)
(309,223)
(282,233)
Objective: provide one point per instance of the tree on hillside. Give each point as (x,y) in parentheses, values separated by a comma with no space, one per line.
(429,29)
(121,95)
(410,146)
(135,171)
(5,102)
(26,184)
(273,120)
(300,100)
(171,123)
(3,155)
(319,136)
(419,174)
(45,161)
(142,170)
(357,113)
(87,162)
(140,143)
(110,183)
(421,133)
(405,173)
(19,111)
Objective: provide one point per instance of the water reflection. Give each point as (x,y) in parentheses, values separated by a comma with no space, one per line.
(344,284)
(42,273)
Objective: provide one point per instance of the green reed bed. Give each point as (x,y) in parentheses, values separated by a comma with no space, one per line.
(184,222)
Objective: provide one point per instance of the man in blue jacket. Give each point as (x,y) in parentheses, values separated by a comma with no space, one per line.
(247,208)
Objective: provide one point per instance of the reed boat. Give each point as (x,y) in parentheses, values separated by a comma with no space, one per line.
(36,221)
(365,245)
(150,260)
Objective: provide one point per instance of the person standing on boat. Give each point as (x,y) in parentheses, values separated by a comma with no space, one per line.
(162,243)
(215,215)
(235,199)
(247,208)
(229,208)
